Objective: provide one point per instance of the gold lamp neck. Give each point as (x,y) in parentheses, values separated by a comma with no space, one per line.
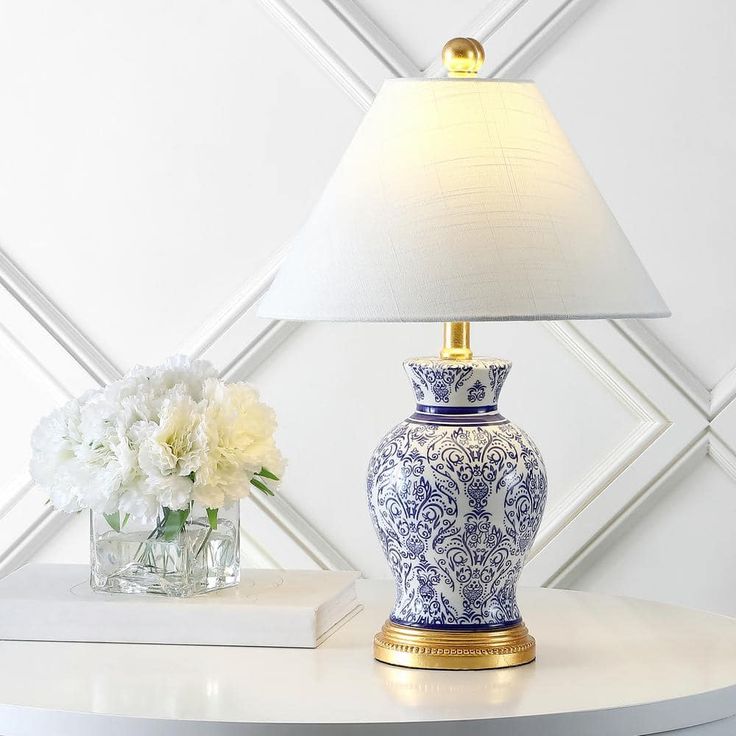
(457,342)
(463,57)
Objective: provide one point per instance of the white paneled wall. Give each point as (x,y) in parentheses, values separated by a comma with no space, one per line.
(654,554)
(156,156)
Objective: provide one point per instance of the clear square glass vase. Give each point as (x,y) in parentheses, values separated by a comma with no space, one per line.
(168,556)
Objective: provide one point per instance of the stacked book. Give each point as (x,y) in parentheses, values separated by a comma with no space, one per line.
(270,608)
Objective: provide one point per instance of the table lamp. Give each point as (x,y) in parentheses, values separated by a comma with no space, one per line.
(459,199)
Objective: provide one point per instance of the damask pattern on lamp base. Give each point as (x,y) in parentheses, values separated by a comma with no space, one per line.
(456,493)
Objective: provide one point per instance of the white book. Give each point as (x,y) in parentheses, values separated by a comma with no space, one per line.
(270,608)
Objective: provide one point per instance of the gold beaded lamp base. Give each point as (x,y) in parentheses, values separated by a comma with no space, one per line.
(432,649)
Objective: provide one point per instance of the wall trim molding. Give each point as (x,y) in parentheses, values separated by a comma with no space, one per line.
(325,555)
(545,21)
(32,538)
(24,356)
(291,21)
(652,424)
(259,349)
(723,393)
(373,37)
(56,322)
(705,444)
(674,424)
(232,311)
(18,489)
(678,468)
(667,362)
(722,455)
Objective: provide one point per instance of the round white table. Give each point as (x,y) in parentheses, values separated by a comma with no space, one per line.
(606,666)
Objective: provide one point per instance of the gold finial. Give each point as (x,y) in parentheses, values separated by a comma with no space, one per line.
(463,57)
(457,342)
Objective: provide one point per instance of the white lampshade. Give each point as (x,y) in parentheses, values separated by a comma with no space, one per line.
(460,199)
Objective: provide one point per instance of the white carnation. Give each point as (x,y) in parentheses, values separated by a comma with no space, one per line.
(173,448)
(54,461)
(240,443)
(158,437)
(180,371)
(77,465)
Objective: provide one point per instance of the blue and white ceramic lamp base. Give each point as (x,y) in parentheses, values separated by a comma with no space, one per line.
(456,494)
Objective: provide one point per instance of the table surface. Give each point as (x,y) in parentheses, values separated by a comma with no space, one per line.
(606,665)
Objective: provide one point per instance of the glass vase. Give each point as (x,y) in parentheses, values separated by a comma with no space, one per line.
(169,556)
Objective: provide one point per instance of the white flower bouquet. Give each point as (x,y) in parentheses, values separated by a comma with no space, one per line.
(145,454)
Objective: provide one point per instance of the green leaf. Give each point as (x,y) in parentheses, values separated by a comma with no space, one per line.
(265,473)
(174,520)
(114,520)
(212,518)
(125,520)
(262,486)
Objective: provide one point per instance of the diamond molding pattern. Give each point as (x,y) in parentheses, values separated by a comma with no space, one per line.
(679,419)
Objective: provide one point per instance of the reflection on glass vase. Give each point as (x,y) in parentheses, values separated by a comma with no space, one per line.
(181,553)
